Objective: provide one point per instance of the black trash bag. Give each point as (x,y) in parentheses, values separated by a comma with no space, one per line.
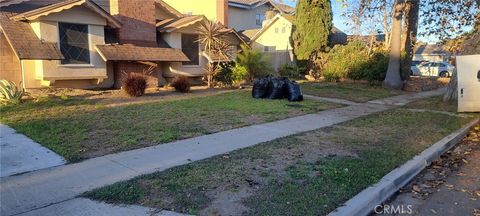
(294,92)
(276,88)
(260,87)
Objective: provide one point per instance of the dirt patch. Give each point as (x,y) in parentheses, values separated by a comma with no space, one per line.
(116,97)
(227,198)
(418,84)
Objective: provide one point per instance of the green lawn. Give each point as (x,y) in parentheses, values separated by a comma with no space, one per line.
(357,92)
(434,103)
(306,174)
(79,128)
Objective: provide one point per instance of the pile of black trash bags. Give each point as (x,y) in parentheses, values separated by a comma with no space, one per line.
(276,88)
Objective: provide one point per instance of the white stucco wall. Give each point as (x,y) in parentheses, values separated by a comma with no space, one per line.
(46,28)
(177,68)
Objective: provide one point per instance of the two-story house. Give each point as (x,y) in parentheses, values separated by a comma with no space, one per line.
(237,14)
(82,44)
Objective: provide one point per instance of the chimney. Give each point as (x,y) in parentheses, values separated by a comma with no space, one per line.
(222,11)
(138,21)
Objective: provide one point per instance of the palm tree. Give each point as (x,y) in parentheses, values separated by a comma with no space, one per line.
(215,45)
(254,61)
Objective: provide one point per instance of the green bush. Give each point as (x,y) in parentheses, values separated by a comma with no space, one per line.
(225,76)
(290,71)
(354,62)
(239,73)
(254,62)
(376,70)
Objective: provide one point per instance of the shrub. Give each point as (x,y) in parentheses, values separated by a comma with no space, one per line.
(290,71)
(376,70)
(10,93)
(181,84)
(239,73)
(135,84)
(353,61)
(225,76)
(255,63)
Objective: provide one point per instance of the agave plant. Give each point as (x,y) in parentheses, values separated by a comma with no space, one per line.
(10,92)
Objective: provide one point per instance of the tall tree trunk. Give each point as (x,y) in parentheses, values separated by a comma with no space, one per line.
(409,38)
(452,88)
(393,79)
(386,29)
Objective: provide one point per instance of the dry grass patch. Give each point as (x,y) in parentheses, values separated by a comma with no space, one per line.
(79,129)
(307,174)
(357,92)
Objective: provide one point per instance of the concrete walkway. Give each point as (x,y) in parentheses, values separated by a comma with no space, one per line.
(19,154)
(41,188)
(86,207)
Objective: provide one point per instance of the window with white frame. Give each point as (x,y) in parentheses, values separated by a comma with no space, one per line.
(74,43)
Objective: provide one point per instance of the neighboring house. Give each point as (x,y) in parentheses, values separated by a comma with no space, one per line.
(431,52)
(76,43)
(273,39)
(250,14)
(237,14)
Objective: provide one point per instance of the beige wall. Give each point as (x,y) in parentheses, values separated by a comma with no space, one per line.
(276,35)
(176,68)
(241,19)
(208,8)
(48,72)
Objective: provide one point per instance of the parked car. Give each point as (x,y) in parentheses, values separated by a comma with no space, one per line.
(414,71)
(441,69)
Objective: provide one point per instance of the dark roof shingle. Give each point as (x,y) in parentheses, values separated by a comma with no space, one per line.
(129,52)
(25,42)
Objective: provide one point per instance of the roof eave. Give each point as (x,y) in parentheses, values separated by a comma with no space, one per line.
(66,5)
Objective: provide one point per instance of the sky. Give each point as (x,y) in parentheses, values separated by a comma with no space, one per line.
(340,22)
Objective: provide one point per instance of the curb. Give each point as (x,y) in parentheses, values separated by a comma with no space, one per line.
(365,201)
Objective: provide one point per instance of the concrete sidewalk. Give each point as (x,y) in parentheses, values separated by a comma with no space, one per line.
(38,189)
(86,207)
(19,154)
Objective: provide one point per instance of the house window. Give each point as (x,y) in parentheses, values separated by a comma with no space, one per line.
(284,30)
(191,49)
(269,48)
(74,43)
(276,30)
(259,19)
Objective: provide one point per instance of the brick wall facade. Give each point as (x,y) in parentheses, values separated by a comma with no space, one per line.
(123,67)
(222,11)
(10,68)
(138,21)
(138,28)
